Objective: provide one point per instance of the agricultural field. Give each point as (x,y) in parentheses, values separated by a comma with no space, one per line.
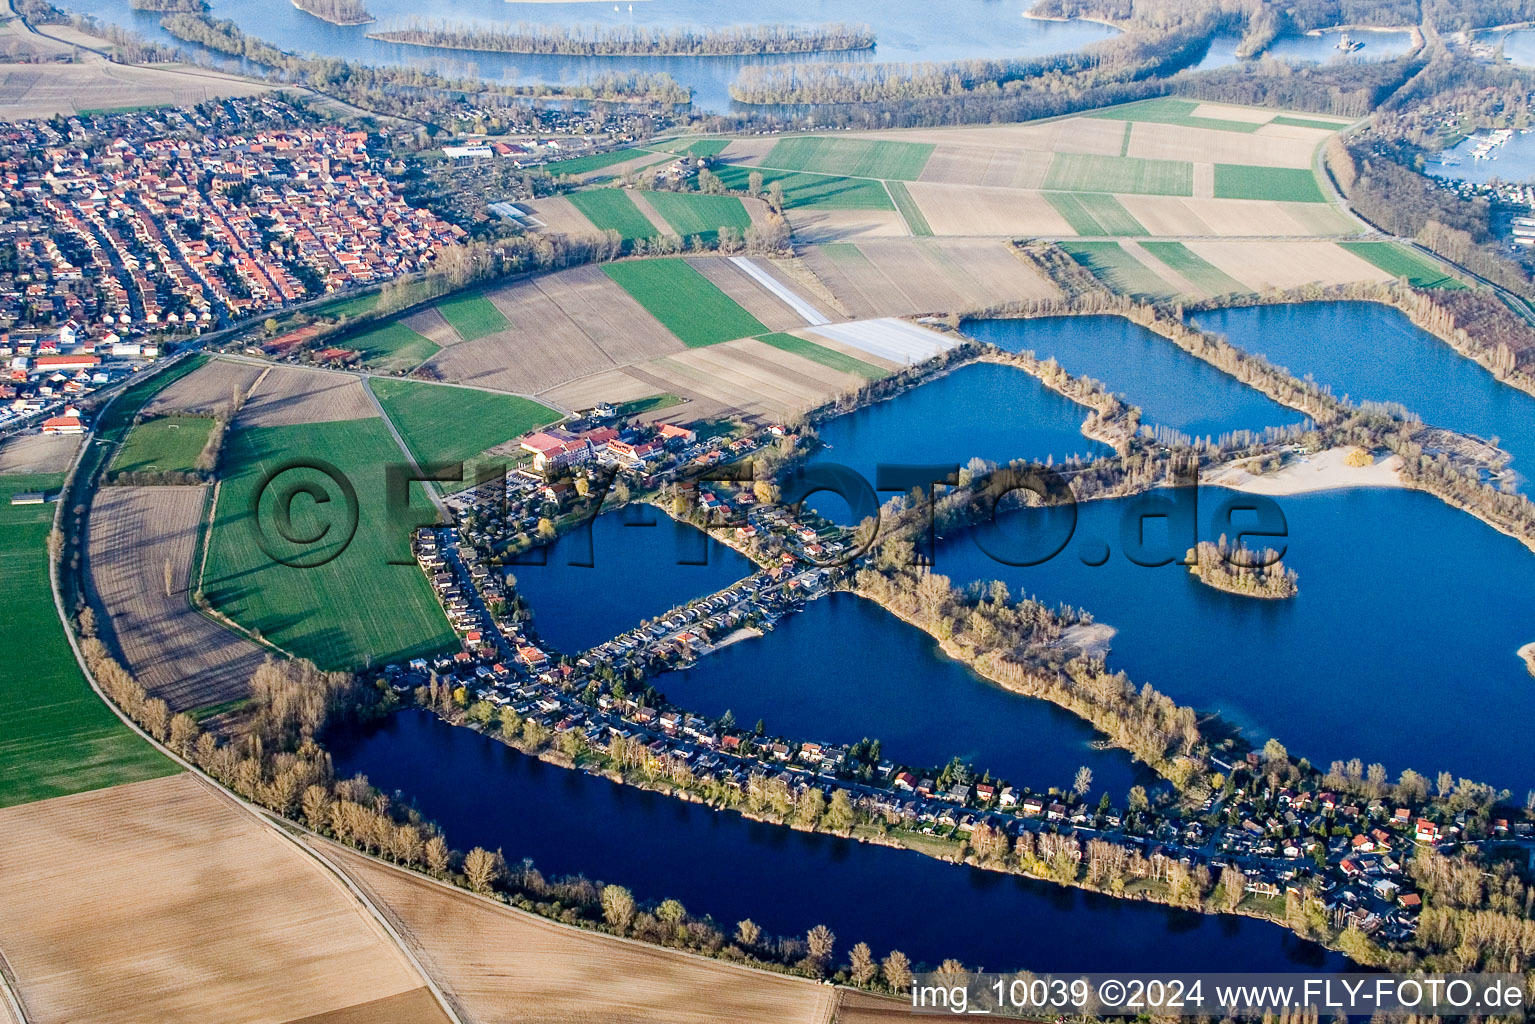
(909,210)
(206,391)
(368,603)
(46,89)
(824,355)
(197,911)
(137,536)
(691,213)
(163,444)
(393,346)
(896,277)
(1196,269)
(56,736)
(856,158)
(1169,110)
(611,209)
(1095,213)
(1118,269)
(686,302)
(287,395)
(818,191)
(1401,261)
(583,165)
(748,292)
(1276,184)
(563,326)
(442,423)
(1082,172)
(37,453)
(898,342)
(472,315)
(1286,264)
(505,966)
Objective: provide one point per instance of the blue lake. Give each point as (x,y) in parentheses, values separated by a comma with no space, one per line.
(982,410)
(845,669)
(633,564)
(1172,388)
(1322,48)
(1399,649)
(1371,352)
(484,793)
(905,30)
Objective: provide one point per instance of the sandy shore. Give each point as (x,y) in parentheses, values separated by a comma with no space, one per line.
(1325,471)
(1527,652)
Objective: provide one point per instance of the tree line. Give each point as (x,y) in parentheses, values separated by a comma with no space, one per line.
(337,12)
(597,40)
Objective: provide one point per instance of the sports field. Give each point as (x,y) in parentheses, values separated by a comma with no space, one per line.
(1166,110)
(691,213)
(394,346)
(858,158)
(1116,268)
(56,736)
(611,209)
(353,607)
(1400,261)
(690,305)
(908,207)
(1087,172)
(165,444)
(823,355)
(448,424)
(1279,184)
(1094,213)
(472,315)
(823,191)
(1200,271)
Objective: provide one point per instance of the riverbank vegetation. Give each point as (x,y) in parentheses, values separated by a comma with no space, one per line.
(626,41)
(337,12)
(170,6)
(1237,569)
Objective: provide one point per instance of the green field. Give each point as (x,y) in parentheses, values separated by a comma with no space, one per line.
(1166,110)
(447,424)
(910,211)
(1278,184)
(165,444)
(1085,172)
(393,346)
(692,213)
(1196,268)
(347,305)
(611,209)
(472,315)
(354,609)
(1400,261)
(1306,122)
(689,304)
(56,736)
(699,147)
(1118,269)
(654,403)
(1094,213)
(597,161)
(818,190)
(825,356)
(857,158)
